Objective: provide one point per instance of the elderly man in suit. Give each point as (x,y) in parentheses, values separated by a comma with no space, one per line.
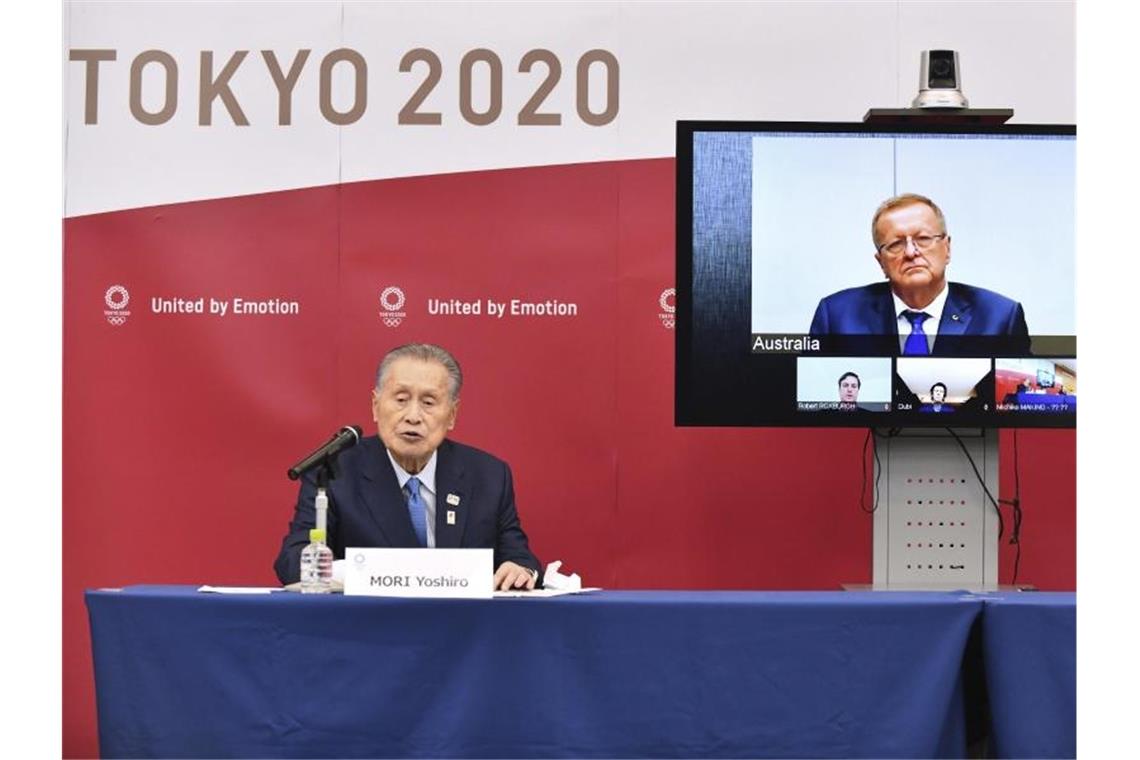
(927,314)
(410,486)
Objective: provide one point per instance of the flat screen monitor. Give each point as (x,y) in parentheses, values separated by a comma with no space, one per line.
(853,275)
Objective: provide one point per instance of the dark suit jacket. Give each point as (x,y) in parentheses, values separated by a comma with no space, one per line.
(974,321)
(367,507)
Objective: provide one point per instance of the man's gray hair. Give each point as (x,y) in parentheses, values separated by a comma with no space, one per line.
(426,352)
(898,201)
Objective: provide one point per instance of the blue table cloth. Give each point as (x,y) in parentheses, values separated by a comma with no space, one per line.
(610,674)
(1029,647)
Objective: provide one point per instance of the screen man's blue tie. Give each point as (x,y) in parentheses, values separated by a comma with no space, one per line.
(916,344)
(417,510)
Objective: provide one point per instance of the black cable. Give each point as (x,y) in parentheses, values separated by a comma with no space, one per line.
(878,469)
(978,475)
(872,438)
(1015,503)
(863,484)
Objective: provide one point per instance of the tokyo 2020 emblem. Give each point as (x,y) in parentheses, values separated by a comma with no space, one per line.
(116,298)
(668,303)
(391,302)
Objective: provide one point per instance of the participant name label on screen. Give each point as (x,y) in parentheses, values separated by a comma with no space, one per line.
(783,344)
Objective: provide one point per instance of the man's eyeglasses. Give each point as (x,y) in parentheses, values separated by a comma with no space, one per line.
(921,242)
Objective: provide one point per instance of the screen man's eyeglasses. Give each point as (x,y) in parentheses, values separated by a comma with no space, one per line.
(921,242)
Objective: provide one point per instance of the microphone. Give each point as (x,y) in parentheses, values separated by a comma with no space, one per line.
(345,438)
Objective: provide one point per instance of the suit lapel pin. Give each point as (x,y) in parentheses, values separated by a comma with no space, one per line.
(954,317)
(451,517)
(453,500)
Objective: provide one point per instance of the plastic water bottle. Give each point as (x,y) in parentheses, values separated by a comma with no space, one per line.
(316,565)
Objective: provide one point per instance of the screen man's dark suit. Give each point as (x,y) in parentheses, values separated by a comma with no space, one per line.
(974,321)
(367,507)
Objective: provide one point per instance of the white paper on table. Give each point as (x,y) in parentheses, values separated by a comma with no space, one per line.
(552,579)
(544,593)
(237,589)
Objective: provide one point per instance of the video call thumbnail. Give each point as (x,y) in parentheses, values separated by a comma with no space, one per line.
(1045,386)
(844,384)
(936,385)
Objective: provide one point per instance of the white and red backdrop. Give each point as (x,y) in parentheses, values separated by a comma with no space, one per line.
(262,198)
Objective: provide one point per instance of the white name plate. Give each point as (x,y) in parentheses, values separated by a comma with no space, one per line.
(430,573)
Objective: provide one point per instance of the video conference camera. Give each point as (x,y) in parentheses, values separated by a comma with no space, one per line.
(940,81)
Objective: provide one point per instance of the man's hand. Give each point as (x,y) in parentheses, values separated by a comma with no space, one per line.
(510,576)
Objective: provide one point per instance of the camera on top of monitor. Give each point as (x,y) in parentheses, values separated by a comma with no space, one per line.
(940,81)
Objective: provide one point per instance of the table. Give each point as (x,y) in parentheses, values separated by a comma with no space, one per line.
(1029,648)
(611,674)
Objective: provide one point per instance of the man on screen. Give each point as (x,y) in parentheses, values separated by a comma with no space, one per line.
(849,384)
(927,314)
(410,487)
(937,400)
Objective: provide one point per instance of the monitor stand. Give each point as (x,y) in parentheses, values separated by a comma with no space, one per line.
(934,526)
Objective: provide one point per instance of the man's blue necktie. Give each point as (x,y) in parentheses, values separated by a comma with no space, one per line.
(417,510)
(916,344)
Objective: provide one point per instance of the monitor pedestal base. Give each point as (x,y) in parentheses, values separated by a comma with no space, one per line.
(934,526)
